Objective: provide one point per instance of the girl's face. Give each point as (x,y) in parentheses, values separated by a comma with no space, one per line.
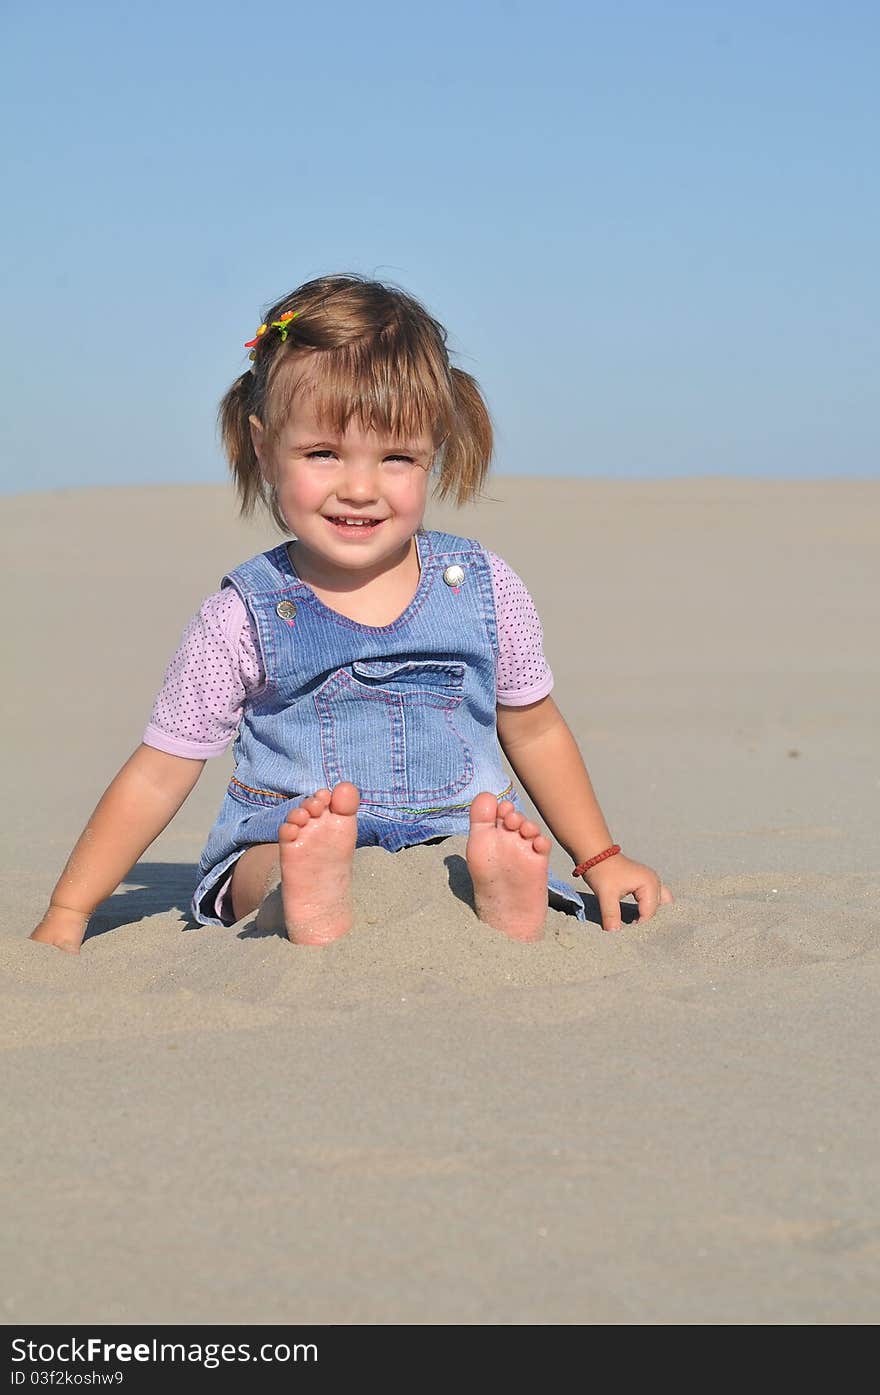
(322,479)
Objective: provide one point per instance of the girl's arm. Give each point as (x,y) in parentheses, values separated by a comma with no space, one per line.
(139,803)
(549,766)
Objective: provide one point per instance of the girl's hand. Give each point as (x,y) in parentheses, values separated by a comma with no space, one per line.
(617,877)
(62,928)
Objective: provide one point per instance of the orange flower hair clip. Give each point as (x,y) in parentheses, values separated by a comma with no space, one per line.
(282,323)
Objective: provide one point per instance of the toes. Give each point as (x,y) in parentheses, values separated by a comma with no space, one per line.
(345,798)
(484,809)
(504,807)
(513,819)
(528,830)
(542,845)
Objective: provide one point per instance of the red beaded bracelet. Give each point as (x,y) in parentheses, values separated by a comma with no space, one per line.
(591,861)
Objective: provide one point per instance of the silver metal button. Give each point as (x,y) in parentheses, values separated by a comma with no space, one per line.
(453,576)
(286,610)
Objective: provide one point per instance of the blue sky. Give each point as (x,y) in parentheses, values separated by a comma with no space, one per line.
(651,229)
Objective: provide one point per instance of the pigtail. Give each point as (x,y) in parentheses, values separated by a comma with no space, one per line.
(233,416)
(467,451)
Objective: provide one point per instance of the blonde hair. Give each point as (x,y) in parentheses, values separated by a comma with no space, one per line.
(368,351)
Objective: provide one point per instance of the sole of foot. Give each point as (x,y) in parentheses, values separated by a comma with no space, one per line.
(316,845)
(508,858)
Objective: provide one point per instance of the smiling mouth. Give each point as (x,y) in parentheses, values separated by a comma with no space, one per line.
(353,524)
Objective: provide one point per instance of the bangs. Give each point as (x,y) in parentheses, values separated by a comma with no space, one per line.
(395,385)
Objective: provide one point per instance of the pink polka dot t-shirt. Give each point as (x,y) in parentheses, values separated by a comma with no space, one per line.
(218,668)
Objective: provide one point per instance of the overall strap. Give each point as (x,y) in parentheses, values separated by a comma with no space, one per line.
(262,574)
(451,545)
(450,549)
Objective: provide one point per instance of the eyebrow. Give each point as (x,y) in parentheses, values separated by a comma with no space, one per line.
(331,444)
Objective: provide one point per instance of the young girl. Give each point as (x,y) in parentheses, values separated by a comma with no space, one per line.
(370,667)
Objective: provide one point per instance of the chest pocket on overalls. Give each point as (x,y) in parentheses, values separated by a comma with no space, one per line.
(389,726)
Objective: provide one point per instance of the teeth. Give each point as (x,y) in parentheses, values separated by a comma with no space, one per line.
(355,522)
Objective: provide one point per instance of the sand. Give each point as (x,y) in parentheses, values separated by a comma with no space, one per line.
(426,1122)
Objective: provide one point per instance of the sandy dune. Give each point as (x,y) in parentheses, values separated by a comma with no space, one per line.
(426,1122)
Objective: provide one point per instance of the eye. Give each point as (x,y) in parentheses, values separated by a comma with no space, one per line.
(319,454)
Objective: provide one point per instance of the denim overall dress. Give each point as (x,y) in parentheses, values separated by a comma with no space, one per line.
(405,711)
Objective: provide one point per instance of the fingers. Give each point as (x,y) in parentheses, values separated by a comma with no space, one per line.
(648,894)
(609,907)
(648,898)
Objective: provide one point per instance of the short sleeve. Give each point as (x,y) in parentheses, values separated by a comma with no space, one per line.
(216,668)
(523,672)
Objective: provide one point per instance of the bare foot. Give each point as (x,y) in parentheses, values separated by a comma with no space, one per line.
(508,858)
(315,848)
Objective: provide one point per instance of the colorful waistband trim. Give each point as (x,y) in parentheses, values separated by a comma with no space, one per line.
(396,808)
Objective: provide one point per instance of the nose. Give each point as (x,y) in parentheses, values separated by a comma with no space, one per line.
(359,483)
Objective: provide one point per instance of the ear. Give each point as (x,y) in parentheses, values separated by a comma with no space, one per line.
(258,440)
